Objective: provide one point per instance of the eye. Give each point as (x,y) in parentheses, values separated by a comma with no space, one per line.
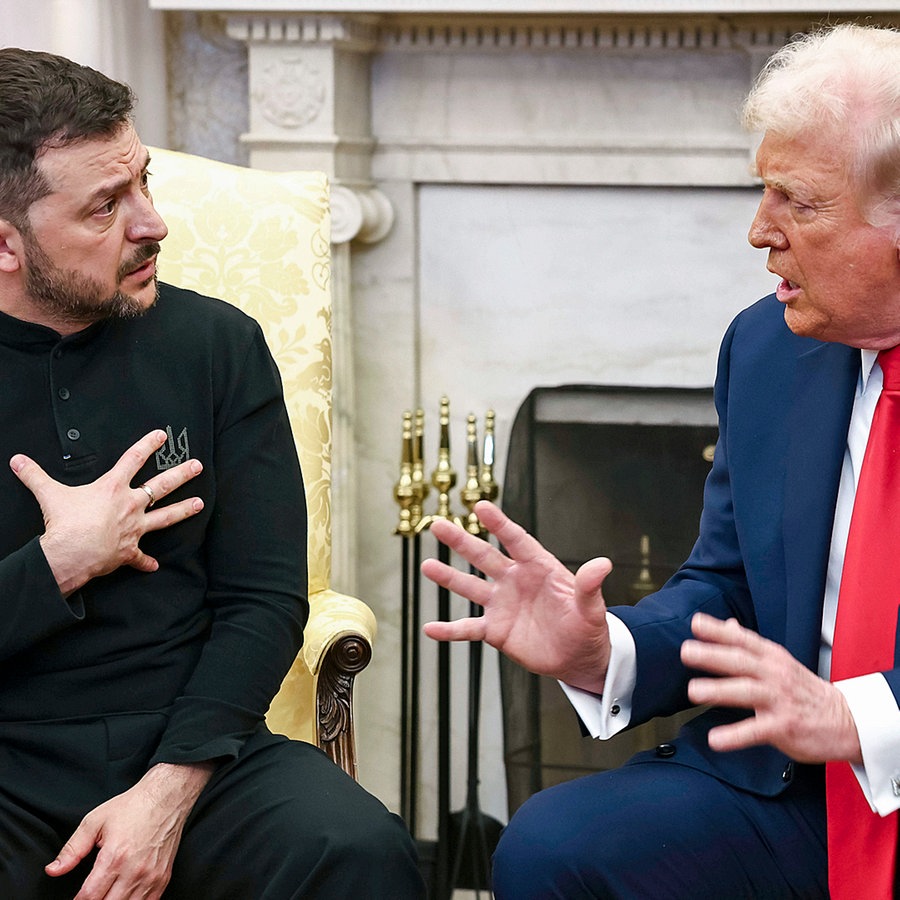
(776,194)
(145,180)
(107,208)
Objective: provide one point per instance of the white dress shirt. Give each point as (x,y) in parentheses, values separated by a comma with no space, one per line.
(871,701)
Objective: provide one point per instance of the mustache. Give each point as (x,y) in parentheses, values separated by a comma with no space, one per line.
(141,255)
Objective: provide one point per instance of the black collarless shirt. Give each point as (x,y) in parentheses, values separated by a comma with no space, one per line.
(209,636)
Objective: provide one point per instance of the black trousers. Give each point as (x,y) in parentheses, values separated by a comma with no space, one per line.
(281,821)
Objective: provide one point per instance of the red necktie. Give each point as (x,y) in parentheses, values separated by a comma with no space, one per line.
(862,846)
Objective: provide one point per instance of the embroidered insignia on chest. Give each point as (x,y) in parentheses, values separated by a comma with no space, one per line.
(174,451)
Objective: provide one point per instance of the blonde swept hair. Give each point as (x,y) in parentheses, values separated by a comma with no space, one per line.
(845,79)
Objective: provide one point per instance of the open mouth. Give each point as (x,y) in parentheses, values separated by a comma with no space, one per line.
(787,290)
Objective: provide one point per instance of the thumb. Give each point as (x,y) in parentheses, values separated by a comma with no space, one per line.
(29,473)
(75,850)
(589,583)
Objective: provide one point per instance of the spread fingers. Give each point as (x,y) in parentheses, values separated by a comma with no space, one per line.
(472,587)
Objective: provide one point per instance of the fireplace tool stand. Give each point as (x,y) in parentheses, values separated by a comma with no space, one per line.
(465,839)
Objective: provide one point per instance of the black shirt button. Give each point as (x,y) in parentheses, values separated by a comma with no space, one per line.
(615,709)
(63,393)
(664,751)
(73,434)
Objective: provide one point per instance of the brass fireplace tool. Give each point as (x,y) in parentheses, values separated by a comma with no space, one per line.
(411,488)
(465,839)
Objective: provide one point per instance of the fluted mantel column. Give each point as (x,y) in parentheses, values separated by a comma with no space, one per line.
(309,87)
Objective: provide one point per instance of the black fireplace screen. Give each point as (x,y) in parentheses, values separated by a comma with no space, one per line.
(599,471)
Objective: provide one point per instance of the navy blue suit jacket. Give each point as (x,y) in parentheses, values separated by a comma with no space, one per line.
(784,405)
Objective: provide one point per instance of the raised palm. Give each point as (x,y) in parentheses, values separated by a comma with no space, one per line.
(536,611)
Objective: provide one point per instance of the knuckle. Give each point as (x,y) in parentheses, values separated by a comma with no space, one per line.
(118,856)
(143,873)
(136,453)
(160,488)
(67,852)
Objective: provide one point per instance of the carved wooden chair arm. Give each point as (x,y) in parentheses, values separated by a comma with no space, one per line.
(337,647)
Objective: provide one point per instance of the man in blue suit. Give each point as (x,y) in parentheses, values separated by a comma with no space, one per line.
(735,806)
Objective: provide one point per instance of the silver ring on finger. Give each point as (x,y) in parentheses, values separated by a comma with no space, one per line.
(149,492)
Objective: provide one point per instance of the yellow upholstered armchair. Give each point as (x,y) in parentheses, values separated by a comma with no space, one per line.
(260,240)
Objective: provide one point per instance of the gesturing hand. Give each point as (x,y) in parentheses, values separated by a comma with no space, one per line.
(535,610)
(92,529)
(801,714)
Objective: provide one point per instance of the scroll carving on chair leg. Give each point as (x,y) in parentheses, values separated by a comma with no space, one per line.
(343,662)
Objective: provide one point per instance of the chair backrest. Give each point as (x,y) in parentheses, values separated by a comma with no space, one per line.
(261,240)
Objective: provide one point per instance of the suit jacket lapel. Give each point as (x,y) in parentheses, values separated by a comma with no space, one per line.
(822,401)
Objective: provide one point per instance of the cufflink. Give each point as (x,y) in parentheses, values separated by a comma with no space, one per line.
(615,709)
(895,785)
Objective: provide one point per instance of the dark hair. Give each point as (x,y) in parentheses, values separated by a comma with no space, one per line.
(49,101)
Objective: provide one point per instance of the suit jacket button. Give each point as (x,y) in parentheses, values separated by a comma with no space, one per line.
(664,751)
(788,772)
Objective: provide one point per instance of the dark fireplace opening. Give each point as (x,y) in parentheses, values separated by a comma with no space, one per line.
(599,471)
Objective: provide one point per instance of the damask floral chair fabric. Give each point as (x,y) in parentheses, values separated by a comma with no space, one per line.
(260,240)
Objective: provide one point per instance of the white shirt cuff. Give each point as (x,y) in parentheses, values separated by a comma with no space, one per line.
(609,713)
(877,717)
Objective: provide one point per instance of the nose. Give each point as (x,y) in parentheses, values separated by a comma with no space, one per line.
(147,224)
(763,230)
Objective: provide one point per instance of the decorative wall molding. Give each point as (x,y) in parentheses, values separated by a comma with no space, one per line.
(352,32)
(571,34)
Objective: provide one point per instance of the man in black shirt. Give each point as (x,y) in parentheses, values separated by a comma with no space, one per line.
(152,545)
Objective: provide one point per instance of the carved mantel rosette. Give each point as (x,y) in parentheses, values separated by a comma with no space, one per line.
(291,93)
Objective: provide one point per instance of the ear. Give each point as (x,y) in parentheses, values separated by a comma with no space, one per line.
(11,247)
